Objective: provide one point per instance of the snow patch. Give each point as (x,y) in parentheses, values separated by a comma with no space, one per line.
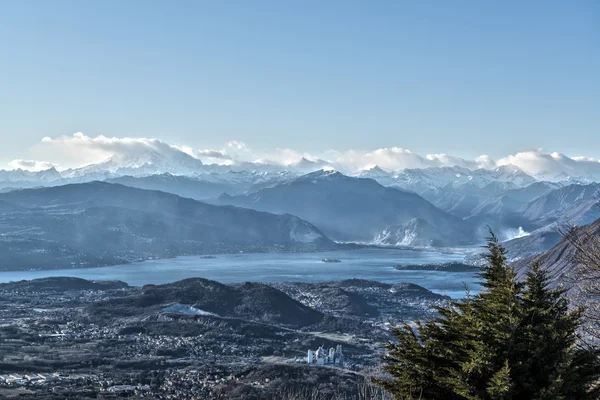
(186,309)
(402,237)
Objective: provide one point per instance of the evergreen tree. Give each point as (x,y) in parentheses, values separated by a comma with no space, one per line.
(547,345)
(513,341)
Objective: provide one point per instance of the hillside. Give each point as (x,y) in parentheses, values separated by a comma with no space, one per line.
(357,209)
(252,301)
(536,242)
(571,205)
(180,185)
(572,201)
(205,185)
(96,224)
(561,259)
(60,285)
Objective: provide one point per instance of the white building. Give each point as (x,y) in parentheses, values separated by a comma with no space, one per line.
(323,357)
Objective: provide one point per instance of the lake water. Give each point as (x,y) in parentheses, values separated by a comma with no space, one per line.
(372,263)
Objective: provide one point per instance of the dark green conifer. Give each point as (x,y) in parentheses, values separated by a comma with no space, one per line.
(514,340)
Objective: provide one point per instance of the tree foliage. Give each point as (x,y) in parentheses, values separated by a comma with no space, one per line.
(513,340)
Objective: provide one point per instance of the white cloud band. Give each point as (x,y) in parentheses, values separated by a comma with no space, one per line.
(80,149)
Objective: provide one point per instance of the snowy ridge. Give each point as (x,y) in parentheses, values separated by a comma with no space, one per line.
(178,163)
(421,180)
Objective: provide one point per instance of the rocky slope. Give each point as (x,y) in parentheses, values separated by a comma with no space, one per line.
(561,260)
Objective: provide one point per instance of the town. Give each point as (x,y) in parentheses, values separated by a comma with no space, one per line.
(65,336)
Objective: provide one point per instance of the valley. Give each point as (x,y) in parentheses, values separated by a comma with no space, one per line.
(63,337)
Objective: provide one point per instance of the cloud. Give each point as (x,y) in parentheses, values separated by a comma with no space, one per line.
(185,149)
(553,166)
(213,154)
(445,160)
(209,156)
(283,156)
(393,158)
(237,146)
(31,165)
(485,161)
(513,233)
(80,149)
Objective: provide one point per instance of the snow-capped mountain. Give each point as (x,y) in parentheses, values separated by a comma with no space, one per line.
(504,173)
(305,166)
(19,175)
(429,206)
(244,177)
(457,190)
(147,163)
(421,180)
(374,173)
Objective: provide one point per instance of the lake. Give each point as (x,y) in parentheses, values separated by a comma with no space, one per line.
(368,263)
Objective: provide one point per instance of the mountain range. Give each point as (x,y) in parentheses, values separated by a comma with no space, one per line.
(152,161)
(359,209)
(99,223)
(435,206)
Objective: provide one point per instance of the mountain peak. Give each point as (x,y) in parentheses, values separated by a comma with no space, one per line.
(148,162)
(373,172)
(304,165)
(376,168)
(323,173)
(510,169)
(49,174)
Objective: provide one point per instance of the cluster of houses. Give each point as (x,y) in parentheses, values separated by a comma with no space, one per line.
(30,379)
(323,357)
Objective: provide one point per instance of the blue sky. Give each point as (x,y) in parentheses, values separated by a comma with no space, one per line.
(461,77)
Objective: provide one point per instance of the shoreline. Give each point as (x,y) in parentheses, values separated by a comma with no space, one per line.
(344,246)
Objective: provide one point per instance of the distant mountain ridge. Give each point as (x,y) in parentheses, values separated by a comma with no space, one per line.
(205,186)
(176,162)
(145,163)
(358,209)
(97,223)
(421,180)
(505,198)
